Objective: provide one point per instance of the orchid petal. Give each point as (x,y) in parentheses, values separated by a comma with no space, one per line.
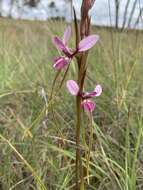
(59,44)
(98,90)
(72,87)
(88,105)
(87,43)
(67,35)
(61,62)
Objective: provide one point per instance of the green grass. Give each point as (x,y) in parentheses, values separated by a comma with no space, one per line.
(38,151)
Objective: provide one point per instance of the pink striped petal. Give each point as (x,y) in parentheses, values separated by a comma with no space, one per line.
(59,44)
(98,90)
(67,35)
(87,43)
(61,62)
(72,87)
(88,105)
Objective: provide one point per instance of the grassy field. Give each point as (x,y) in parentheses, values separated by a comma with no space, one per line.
(37,150)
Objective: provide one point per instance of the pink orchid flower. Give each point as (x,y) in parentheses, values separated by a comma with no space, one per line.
(61,45)
(87,104)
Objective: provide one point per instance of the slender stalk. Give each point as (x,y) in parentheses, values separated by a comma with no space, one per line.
(90,145)
(81,77)
(78,108)
(78,127)
(82,67)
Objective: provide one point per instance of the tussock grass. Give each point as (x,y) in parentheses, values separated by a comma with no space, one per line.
(38,149)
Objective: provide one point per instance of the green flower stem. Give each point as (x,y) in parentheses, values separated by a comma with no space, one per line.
(78,154)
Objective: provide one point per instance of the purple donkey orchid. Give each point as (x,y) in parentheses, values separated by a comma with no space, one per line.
(61,45)
(87,104)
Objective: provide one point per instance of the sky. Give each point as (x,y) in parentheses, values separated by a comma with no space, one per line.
(100,12)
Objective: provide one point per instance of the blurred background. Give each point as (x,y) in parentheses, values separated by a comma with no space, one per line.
(37,136)
(118,13)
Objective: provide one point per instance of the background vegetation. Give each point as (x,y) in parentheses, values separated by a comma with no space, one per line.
(37,149)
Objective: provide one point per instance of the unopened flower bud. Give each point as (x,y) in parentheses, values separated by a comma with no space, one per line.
(86,6)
